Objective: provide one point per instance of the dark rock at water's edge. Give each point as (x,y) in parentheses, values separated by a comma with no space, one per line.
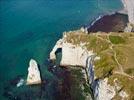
(66,84)
(110,23)
(73,85)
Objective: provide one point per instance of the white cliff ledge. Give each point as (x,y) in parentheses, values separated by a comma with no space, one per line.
(34,76)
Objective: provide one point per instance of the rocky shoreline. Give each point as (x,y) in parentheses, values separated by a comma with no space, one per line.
(119,21)
(110,23)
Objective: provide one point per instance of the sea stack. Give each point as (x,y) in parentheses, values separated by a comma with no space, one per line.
(34,76)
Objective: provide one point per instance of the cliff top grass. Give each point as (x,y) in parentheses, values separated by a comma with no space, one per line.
(116,51)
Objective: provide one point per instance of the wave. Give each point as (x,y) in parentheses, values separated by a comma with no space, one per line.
(20,82)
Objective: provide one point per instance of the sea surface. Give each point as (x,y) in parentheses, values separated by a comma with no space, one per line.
(30,28)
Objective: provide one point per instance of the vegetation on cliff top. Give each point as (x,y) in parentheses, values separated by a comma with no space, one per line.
(116,51)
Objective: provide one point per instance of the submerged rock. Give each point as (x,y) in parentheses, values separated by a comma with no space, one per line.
(34,76)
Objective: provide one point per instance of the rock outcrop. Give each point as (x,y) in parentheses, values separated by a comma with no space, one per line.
(34,76)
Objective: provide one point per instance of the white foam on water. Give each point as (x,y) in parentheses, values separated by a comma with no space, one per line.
(20,83)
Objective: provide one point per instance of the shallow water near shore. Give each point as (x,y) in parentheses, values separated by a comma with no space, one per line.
(30,28)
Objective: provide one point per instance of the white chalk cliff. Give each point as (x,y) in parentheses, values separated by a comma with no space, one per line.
(34,76)
(78,55)
(129,6)
(74,55)
(103,91)
(58,45)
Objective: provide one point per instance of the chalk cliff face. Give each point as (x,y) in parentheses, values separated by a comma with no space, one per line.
(103,56)
(78,55)
(129,5)
(101,89)
(74,55)
(33,73)
(56,47)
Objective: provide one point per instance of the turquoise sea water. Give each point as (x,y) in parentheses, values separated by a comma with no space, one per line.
(30,28)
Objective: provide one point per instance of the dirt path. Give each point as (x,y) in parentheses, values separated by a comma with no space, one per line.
(121,71)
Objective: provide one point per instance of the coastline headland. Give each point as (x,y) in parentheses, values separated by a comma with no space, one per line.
(92,65)
(97,54)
